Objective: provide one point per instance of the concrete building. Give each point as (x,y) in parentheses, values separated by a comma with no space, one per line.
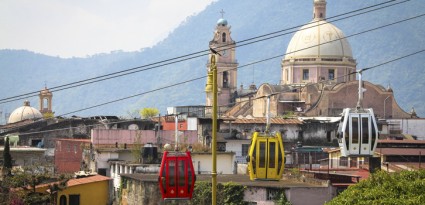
(143,189)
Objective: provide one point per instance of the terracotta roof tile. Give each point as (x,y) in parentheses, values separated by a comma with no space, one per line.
(87,180)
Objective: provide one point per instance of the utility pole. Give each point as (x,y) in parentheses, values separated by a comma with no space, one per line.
(214,132)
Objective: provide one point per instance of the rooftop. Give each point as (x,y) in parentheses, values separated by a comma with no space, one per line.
(235,178)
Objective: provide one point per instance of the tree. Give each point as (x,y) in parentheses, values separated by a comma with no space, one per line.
(406,187)
(48,115)
(20,187)
(227,193)
(7,165)
(148,112)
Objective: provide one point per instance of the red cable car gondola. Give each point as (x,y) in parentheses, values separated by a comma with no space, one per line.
(176,174)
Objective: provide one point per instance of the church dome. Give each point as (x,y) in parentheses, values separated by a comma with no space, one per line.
(23,113)
(319,39)
(222,22)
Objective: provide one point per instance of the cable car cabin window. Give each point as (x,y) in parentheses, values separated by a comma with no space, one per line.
(279,160)
(254,157)
(189,178)
(347,135)
(365,130)
(272,154)
(181,172)
(163,181)
(262,162)
(355,130)
(171,173)
(374,135)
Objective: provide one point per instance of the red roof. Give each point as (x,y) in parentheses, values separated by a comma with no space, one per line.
(402,141)
(400,151)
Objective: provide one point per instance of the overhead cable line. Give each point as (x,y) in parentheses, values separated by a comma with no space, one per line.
(191,55)
(256,98)
(198,78)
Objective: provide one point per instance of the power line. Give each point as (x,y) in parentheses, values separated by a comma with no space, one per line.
(194,79)
(256,98)
(192,55)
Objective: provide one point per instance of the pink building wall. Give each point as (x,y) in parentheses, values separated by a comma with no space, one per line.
(110,137)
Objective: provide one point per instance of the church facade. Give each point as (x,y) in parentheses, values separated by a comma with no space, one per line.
(318,78)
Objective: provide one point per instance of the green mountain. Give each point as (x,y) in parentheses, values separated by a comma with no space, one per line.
(24,71)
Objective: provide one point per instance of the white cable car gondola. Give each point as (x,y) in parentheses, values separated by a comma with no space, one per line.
(357,131)
(266,154)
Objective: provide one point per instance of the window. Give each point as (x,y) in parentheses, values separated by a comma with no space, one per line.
(245,148)
(365,130)
(262,163)
(223,37)
(355,131)
(331,74)
(272,194)
(62,200)
(225,79)
(272,155)
(74,199)
(45,103)
(343,161)
(286,74)
(305,74)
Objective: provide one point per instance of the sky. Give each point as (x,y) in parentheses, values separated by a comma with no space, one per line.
(80,28)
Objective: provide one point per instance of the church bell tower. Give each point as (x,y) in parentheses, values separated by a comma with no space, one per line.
(45,101)
(223,43)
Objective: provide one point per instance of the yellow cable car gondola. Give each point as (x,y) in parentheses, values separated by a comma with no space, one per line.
(266,154)
(357,131)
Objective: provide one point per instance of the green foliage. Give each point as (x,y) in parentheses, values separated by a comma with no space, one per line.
(48,115)
(280,199)
(148,112)
(406,187)
(227,193)
(288,114)
(136,149)
(24,181)
(295,172)
(7,158)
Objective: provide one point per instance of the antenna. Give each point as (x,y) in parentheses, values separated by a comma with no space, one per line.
(268,114)
(361,90)
(176,148)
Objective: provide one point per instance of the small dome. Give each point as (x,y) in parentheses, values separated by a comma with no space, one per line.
(222,22)
(319,39)
(23,113)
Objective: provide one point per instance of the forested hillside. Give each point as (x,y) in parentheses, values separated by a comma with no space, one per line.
(24,71)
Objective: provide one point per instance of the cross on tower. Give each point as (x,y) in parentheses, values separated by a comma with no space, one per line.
(222,13)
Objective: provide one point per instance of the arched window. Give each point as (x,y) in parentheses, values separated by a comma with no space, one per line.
(223,37)
(46,103)
(225,79)
(62,200)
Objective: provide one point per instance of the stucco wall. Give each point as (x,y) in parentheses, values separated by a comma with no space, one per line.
(203,162)
(310,196)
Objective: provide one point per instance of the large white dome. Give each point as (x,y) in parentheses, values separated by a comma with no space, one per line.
(24,112)
(318,39)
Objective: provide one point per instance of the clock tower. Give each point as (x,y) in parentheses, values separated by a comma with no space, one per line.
(223,43)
